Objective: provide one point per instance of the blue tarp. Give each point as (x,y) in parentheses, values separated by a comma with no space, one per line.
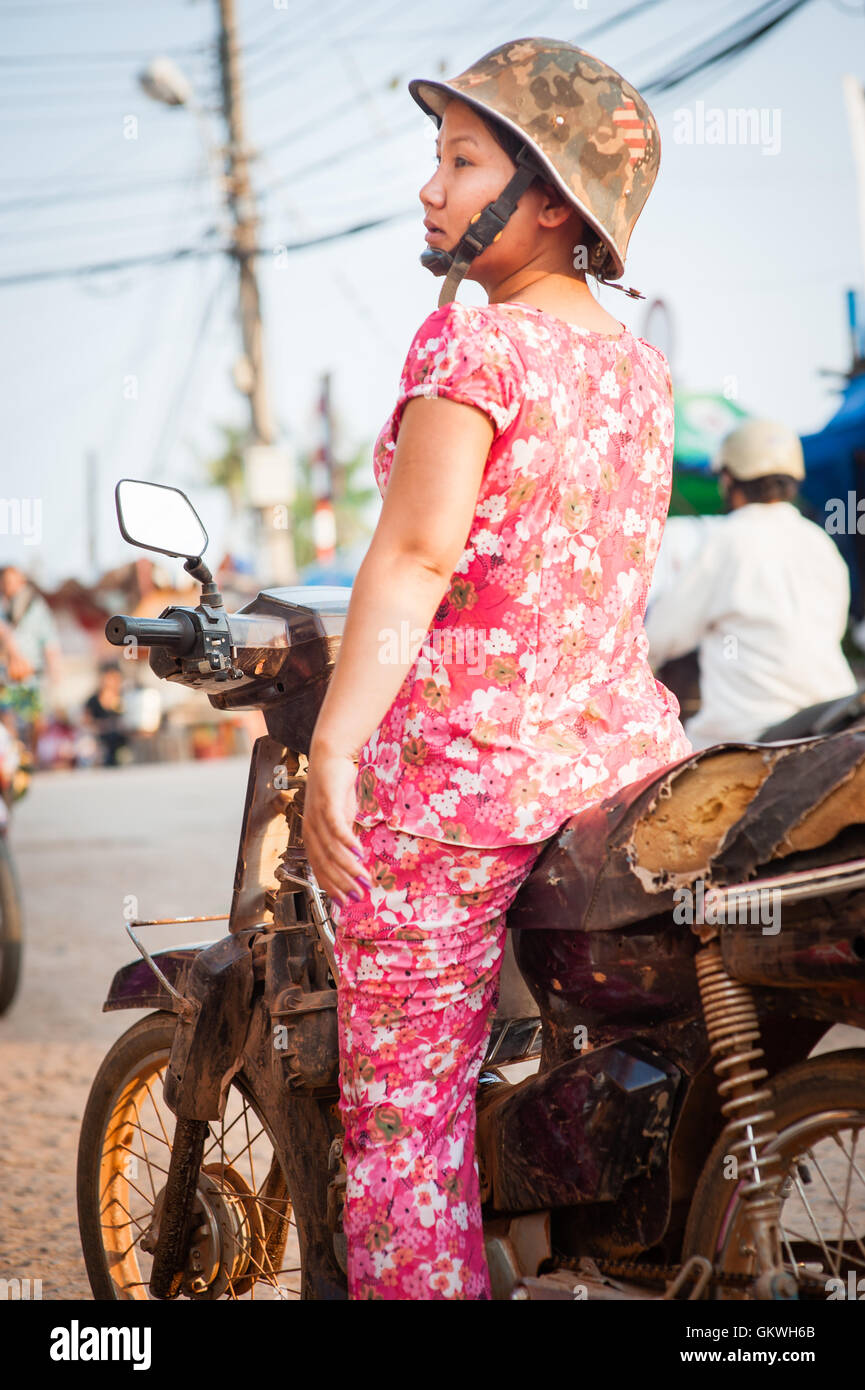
(833,471)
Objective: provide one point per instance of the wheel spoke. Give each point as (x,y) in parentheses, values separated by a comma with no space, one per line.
(134,1219)
(249,1146)
(221,1140)
(850,1164)
(157,1111)
(786,1240)
(818,1233)
(842,1210)
(151,1164)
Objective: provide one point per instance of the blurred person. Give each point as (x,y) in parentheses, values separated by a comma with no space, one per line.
(58,743)
(104,714)
(763,598)
(31,648)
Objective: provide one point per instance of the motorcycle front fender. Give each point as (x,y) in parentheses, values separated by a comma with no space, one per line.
(207,1050)
(216,977)
(136,987)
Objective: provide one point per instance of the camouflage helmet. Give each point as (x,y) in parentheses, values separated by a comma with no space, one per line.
(590,132)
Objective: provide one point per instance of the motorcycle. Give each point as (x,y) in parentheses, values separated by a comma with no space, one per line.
(15,766)
(676,954)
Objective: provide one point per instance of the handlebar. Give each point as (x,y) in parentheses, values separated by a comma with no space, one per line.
(177,633)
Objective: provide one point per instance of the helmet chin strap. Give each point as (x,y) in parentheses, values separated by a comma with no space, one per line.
(486,227)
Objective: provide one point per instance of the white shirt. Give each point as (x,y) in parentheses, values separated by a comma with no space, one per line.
(764,599)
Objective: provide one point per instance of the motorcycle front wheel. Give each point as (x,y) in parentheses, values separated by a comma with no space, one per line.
(244,1243)
(820,1125)
(10,927)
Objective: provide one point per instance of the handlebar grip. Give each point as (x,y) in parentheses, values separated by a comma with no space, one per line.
(177,633)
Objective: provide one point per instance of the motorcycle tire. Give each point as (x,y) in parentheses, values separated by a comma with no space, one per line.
(817,1103)
(244,1242)
(11,928)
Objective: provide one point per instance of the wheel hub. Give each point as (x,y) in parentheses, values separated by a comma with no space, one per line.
(228,1241)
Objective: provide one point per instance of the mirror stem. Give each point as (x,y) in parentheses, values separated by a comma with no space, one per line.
(210,594)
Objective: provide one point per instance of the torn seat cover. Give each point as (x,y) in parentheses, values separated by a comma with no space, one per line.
(718,816)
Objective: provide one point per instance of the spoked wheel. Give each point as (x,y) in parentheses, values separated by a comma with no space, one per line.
(820,1124)
(244,1243)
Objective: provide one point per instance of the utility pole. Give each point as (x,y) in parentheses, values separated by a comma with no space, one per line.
(854,100)
(91,494)
(270,489)
(323,520)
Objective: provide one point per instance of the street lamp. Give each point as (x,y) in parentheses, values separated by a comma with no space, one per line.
(163,80)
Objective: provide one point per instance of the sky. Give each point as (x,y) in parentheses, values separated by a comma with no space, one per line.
(751,245)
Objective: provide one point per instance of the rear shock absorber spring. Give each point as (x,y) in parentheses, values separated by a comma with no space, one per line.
(734,1041)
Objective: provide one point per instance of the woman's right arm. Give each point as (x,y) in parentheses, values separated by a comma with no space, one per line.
(426,517)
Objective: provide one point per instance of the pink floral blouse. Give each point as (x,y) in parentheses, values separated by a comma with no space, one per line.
(532,696)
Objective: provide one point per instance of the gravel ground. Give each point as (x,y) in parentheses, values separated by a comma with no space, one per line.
(83,842)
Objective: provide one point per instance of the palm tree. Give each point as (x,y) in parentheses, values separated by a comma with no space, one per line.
(351,496)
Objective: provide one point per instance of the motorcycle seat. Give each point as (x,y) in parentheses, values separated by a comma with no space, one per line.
(824,718)
(722,815)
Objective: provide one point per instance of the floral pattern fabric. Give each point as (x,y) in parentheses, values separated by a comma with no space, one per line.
(532,696)
(418,960)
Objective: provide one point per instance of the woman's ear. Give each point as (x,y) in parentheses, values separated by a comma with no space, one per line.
(554,211)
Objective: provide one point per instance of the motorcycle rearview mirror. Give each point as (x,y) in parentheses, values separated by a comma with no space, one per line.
(161,518)
(146,510)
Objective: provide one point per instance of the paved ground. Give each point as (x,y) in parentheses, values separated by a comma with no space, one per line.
(84,841)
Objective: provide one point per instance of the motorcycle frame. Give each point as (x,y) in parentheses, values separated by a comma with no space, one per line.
(231,994)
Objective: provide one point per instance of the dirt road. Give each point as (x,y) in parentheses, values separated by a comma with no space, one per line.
(83,842)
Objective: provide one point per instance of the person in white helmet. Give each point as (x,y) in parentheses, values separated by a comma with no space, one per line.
(764,598)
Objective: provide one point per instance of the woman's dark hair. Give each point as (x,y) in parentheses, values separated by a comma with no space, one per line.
(511,142)
(774,487)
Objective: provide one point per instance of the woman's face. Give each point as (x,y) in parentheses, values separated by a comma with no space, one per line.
(472,169)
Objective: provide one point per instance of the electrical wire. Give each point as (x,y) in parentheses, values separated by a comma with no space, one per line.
(89,195)
(411,123)
(156,304)
(328,114)
(191,253)
(270,46)
(178,400)
(705,56)
(722,47)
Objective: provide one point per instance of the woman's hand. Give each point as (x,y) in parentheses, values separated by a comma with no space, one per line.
(333,849)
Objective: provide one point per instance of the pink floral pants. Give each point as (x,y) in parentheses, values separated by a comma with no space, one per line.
(419,959)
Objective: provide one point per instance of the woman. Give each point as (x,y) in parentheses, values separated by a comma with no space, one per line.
(525,474)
